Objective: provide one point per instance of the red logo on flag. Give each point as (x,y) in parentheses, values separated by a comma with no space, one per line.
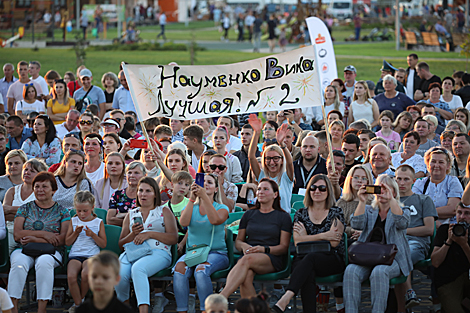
(320,39)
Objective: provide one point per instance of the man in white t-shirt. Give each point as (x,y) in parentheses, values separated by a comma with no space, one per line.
(70,124)
(15,92)
(34,68)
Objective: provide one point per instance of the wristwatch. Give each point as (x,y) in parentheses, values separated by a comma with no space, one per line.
(267,249)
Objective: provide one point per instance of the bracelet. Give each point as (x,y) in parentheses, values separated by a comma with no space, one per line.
(447,244)
(283,147)
(192,200)
(267,249)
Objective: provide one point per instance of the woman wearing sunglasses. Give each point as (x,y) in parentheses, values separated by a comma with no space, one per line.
(86,125)
(220,139)
(445,190)
(71,178)
(61,103)
(320,220)
(263,238)
(276,161)
(43,143)
(389,215)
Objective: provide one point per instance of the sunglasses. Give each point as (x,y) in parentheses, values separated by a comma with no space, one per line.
(322,188)
(72,135)
(83,122)
(220,167)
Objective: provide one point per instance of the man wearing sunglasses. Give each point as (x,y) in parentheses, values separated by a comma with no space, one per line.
(229,192)
(118,115)
(70,124)
(70,141)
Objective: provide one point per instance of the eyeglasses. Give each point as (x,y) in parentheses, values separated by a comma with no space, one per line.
(322,188)
(275,159)
(118,119)
(84,122)
(364,179)
(220,167)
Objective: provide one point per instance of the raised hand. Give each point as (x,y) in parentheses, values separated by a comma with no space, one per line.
(255,122)
(281,134)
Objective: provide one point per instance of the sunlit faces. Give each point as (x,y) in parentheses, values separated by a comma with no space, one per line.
(309,148)
(39,126)
(59,89)
(74,164)
(336,132)
(265,192)
(110,145)
(86,82)
(269,132)
(438,165)
(176,125)
(404,123)
(246,135)
(460,146)
(181,188)
(34,70)
(364,141)
(404,180)
(446,142)
(460,116)
(385,122)
(338,161)
(28,173)
(23,71)
(219,139)
(410,145)
(31,93)
(350,152)
(114,166)
(447,85)
(14,166)
(462,214)
(380,157)
(43,190)
(223,121)
(92,146)
(86,124)
(210,185)
(359,179)
(271,116)
(205,163)
(389,85)
(330,93)
(400,76)
(108,82)
(273,161)
(175,163)
(319,191)
(84,211)
(3,142)
(204,123)
(359,90)
(165,144)
(435,93)
(146,195)
(219,164)
(12,129)
(134,175)
(422,127)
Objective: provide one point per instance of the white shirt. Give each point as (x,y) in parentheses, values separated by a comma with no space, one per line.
(62,130)
(410,84)
(42,82)
(162,19)
(455,103)
(96,175)
(234,144)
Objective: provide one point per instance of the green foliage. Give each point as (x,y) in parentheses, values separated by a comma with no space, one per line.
(79,48)
(466,50)
(146,46)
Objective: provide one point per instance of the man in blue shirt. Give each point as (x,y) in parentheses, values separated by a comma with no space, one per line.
(122,97)
(17,134)
(6,82)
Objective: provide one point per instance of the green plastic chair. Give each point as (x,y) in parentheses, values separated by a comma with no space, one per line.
(296,198)
(101,213)
(112,238)
(4,254)
(238,209)
(174,258)
(292,216)
(231,259)
(232,217)
(298,205)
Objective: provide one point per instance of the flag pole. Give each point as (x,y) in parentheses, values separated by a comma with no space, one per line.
(328,138)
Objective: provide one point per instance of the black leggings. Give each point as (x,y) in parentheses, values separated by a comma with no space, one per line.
(307,269)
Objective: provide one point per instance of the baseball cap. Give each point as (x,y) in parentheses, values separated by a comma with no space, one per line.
(112,122)
(85,73)
(347,68)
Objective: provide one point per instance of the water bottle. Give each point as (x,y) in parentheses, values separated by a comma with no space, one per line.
(250,197)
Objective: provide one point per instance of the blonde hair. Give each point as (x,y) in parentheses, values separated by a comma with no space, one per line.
(84,196)
(336,102)
(277,149)
(106,258)
(81,176)
(37,164)
(163,179)
(438,150)
(16,153)
(387,180)
(216,299)
(338,123)
(367,94)
(348,192)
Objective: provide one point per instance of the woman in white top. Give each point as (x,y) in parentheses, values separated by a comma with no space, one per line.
(29,103)
(411,142)
(113,180)
(453,101)
(71,178)
(332,102)
(152,225)
(86,235)
(220,139)
(94,168)
(21,194)
(363,106)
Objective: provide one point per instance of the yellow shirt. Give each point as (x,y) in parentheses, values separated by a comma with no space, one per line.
(58,108)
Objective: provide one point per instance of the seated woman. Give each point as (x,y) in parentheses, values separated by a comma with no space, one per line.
(152,224)
(30,103)
(403,123)
(276,162)
(21,194)
(387,213)
(61,103)
(43,143)
(124,200)
(112,181)
(42,220)
(71,178)
(358,176)
(411,142)
(204,209)
(263,238)
(14,161)
(463,115)
(320,220)
(456,126)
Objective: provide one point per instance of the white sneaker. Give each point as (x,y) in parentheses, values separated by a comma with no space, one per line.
(72,309)
(159,303)
(192,304)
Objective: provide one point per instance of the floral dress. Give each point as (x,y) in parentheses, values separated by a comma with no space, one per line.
(121,202)
(50,152)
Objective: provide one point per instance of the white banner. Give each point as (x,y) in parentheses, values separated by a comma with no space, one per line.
(320,36)
(278,82)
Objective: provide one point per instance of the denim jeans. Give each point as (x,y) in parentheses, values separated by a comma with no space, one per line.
(140,271)
(217,260)
(257,41)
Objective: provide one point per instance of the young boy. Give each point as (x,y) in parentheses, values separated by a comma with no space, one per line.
(103,276)
(181,182)
(216,303)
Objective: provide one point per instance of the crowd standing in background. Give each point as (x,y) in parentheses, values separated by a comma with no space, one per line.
(67,148)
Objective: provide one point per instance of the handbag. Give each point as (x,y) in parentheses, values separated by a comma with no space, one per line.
(135,252)
(198,254)
(35,249)
(79,104)
(372,253)
(306,247)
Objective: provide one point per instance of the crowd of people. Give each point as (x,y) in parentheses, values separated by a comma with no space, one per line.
(68,146)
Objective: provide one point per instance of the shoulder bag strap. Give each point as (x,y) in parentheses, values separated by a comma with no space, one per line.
(87,92)
(426,184)
(212,236)
(180,228)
